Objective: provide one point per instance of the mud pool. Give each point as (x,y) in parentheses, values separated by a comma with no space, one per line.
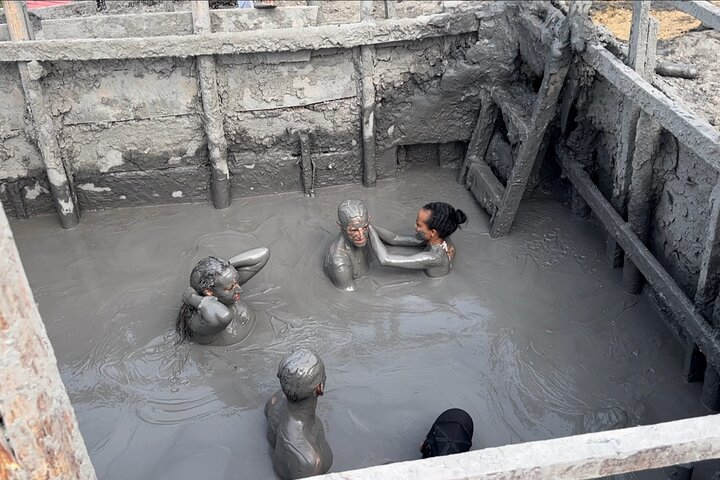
(531,333)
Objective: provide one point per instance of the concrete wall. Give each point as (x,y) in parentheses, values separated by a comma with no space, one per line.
(131,131)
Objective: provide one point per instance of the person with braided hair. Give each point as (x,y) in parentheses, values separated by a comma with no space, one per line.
(212,312)
(434,224)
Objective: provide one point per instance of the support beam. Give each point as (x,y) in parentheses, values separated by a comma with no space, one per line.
(704,11)
(366,71)
(30,75)
(484,185)
(698,135)
(254,41)
(708,285)
(482,134)
(676,302)
(212,112)
(39,435)
(556,68)
(390,9)
(579,457)
(638,187)
(643,40)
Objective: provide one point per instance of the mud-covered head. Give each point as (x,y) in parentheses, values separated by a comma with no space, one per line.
(438,220)
(302,375)
(353,220)
(217,277)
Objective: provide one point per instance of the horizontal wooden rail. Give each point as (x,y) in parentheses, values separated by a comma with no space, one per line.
(676,301)
(255,41)
(578,457)
(704,11)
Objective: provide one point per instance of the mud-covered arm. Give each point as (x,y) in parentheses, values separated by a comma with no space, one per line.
(342,276)
(416,261)
(250,262)
(392,238)
(214,316)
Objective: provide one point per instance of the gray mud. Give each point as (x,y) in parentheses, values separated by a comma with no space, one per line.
(530,333)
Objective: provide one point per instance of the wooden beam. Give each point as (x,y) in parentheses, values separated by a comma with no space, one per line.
(708,285)
(365,66)
(698,135)
(254,41)
(706,12)
(39,435)
(30,73)
(212,111)
(579,457)
(484,185)
(556,68)
(482,133)
(638,189)
(641,42)
(676,302)
(390,8)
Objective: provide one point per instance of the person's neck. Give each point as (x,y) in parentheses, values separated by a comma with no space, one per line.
(304,410)
(436,241)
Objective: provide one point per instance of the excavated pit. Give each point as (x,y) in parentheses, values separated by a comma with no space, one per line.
(531,333)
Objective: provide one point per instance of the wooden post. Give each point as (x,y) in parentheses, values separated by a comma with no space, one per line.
(647,142)
(366,71)
(212,113)
(708,282)
(30,75)
(640,43)
(556,68)
(39,436)
(482,134)
(390,9)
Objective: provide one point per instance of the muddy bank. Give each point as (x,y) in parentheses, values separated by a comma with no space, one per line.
(531,333)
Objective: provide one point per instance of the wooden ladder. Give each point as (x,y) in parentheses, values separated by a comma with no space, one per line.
(528,114)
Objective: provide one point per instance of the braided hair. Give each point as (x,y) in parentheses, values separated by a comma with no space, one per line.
(203,277)
(444,218)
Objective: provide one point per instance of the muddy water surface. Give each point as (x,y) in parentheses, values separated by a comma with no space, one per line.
(531,333)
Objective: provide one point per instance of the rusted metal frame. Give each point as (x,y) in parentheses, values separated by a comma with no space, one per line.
(212,111)
(579,457)
(482,133)
(675,300)
(706,12)
(556,68)
(638,187)
(60,181)
(39,435)
(641,43)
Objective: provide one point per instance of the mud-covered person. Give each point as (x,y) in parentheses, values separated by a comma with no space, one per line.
(212,312)
(434,224)
(347,258)
(295,434)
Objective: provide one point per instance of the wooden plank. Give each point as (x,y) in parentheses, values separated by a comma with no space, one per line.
(698,135)
(516,103)
(484,185)
(212,112)
(30,74)
(366,73)
(704,11)
(253,41)
(646,143)
(390,8)
(556,68)
(675,300)
(708,285)
(578,457)
(39,434)
(482,133)
(640,43)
